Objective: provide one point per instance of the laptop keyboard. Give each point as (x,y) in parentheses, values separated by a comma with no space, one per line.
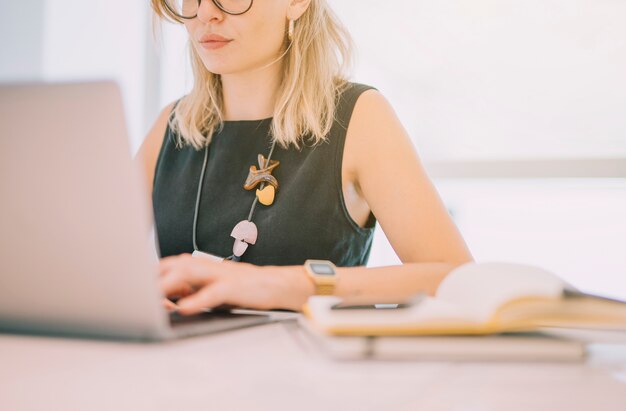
(213,321)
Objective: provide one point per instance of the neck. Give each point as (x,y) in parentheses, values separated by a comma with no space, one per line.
(251,95)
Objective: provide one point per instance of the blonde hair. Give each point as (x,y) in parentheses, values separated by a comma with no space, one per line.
(314,73)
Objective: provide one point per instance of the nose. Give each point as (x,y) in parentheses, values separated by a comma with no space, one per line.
(209,12)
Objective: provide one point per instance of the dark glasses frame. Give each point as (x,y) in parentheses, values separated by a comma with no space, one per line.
(217,3)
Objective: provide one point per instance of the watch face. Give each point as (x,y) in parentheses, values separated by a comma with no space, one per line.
(322,269)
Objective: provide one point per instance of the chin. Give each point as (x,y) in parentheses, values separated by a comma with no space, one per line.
(214,63)
(223,67)
(216,68)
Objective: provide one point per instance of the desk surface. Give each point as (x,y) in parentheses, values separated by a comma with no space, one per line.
(275,367)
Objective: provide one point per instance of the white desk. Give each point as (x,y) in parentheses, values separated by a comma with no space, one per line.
(274,367)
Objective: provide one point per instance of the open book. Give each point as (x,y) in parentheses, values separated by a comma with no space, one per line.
(478,298)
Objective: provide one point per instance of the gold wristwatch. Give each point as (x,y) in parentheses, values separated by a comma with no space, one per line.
(323,273)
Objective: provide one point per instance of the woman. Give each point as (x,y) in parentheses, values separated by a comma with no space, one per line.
(274,158)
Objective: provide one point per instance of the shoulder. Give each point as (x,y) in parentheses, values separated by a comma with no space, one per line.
(365,107)
(371,106)
(376,139)
(350,93)
(374,125)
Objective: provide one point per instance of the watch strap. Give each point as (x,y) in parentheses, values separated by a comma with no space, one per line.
(324,284)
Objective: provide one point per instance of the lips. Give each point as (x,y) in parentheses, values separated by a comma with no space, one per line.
(208,38)
(213,41)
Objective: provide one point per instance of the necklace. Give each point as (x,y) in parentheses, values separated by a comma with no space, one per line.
(245,232)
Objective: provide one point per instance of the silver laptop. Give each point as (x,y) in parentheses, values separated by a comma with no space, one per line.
(75,241)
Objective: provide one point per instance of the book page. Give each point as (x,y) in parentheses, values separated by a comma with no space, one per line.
(479,289)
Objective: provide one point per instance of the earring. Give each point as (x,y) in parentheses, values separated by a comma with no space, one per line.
(291,28)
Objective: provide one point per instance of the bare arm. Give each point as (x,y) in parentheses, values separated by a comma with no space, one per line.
(391,177)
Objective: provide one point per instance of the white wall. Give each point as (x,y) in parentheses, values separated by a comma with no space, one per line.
(21,34)
(73,40)
(574,227)
(98,39)
(498,78)
(175,76)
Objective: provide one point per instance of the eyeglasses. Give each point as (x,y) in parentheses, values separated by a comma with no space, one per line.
(188,9)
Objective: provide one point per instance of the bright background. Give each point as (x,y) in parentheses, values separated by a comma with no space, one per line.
(478,85)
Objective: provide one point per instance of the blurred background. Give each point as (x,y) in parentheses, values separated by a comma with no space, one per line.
(517,108)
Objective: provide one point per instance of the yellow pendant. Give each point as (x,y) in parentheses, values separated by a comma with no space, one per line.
(266,196)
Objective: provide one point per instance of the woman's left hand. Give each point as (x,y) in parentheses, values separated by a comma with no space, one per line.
(204,284)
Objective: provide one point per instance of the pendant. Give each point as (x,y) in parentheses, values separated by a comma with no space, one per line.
(266,195)
(263,175)
(244,233)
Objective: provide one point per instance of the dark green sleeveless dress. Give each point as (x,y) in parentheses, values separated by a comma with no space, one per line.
(308,219)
